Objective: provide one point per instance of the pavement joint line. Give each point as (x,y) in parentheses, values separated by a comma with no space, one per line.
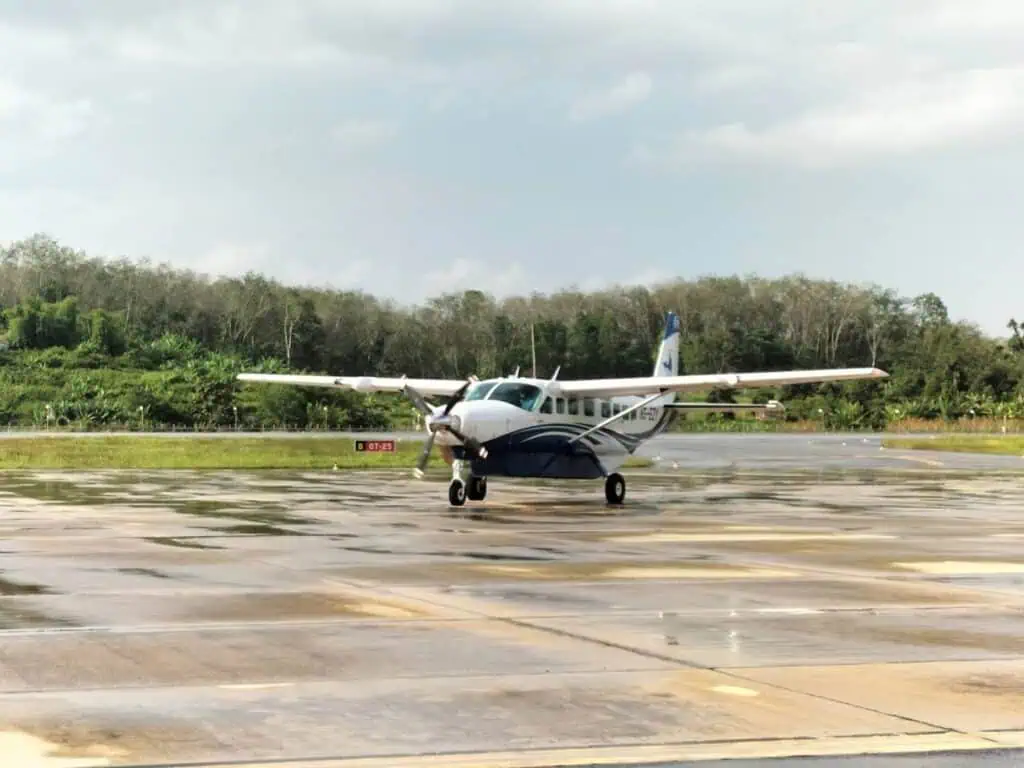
(668,659)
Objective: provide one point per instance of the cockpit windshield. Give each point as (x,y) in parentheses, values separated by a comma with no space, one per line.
(517,393)
(479,390)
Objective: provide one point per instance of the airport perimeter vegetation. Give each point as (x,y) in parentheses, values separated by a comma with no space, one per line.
(91,344)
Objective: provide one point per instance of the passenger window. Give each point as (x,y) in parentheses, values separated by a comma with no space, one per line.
(560,405)
(606,409)
(574,406)
(588,406)
(546,408)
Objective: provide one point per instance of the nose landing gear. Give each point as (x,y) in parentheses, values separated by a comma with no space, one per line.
(459,490)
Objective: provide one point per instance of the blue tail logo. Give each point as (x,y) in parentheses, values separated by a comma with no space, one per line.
(668,352)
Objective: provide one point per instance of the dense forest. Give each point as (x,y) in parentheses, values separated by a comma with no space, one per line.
(95,343)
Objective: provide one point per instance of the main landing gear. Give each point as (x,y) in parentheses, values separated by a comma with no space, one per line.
(615,488)
(476,489)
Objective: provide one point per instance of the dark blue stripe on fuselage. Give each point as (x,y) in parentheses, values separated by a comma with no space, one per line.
(543,450)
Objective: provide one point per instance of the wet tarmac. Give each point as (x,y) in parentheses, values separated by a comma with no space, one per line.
(771,597)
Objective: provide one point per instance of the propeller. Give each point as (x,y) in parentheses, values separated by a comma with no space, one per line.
(442,422)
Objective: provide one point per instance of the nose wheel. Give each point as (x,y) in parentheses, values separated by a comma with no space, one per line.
(474,490)
(477,490)
(457,492)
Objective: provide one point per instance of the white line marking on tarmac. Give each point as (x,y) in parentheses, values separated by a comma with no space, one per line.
(735,690)
(253,686)
(962,568)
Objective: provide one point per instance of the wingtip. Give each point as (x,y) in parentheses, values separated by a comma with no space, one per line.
(879,373)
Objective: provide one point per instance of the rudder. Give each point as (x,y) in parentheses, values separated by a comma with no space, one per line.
(667,363)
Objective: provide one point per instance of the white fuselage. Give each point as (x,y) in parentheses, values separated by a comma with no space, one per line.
(526,415)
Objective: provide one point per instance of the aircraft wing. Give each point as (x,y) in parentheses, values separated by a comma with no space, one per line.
(358,383)
(648,385)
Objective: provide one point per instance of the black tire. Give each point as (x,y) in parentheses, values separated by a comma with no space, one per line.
(477,490)
(457,493)
(615,488)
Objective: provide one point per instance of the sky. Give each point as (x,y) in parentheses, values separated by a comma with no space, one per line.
(413,147)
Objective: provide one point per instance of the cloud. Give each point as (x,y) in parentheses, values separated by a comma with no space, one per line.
(36,122)
(359,134)
(633,89)
(901,119)
(182,125)
(467,274)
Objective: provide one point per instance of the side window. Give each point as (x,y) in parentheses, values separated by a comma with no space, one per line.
(574,406)
(606,409)
(546,408)
(560,405)
(588,406)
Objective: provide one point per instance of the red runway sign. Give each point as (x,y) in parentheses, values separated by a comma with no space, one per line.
(376,446)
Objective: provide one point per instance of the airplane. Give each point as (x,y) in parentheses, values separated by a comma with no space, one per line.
(529,427)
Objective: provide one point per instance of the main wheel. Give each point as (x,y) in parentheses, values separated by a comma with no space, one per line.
(615,488)
(457,493)
(477,490)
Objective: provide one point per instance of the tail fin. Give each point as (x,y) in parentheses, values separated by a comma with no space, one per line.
(667,363)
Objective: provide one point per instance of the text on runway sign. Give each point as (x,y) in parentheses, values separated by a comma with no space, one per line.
(376,446)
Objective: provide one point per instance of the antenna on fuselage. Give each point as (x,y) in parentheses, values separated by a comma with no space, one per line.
(516,374)
(555,374)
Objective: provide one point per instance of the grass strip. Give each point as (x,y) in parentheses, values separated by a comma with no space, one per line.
(125,452)
(1008,445)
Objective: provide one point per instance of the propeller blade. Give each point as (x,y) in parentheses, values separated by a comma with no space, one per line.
(456,397)
(417,400)
(472,444)
(421,465)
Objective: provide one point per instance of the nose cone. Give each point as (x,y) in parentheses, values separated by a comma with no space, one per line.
(437,422)
(479,419)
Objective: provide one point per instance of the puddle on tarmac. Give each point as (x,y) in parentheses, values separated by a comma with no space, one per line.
(145,572)
(454,554)
(496,556)
(1009,583)
(222,511)
(254,529)
(10,588)
(97,739)
(527,596)
(180,542)
(573,571)
(539,511)
(16,614)
(1004,638)
(992,685)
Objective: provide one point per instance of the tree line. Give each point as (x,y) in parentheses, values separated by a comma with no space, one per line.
(94,341)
